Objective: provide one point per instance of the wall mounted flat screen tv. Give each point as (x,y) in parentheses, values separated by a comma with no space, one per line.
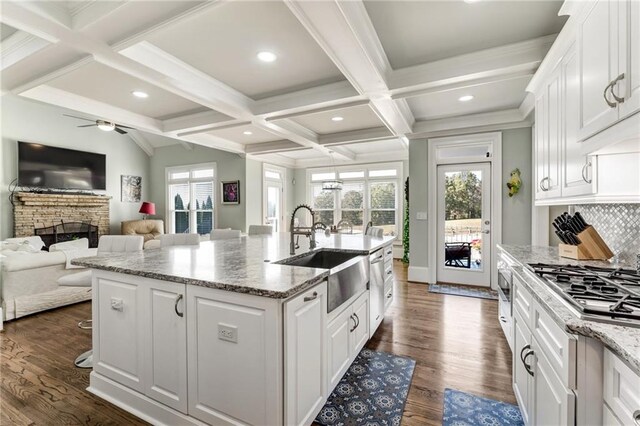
(43,166)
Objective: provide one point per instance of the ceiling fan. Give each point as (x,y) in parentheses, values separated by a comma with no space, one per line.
(107,126)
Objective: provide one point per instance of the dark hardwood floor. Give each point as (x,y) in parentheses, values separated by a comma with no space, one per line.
(456,342)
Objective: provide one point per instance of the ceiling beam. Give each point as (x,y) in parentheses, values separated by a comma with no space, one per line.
(363,135)
(345,32)
(19,46)
(271,147)
(510,118)
(141,141)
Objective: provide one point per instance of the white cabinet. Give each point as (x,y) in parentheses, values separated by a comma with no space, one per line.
(608,46)
(621,391)
(305,355)
(144,346)
(548,138)
(521,381)
(347,334)
(551,402)
(165,368)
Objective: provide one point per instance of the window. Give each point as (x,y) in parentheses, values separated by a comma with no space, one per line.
(191,195)
(369,193)
(273,196)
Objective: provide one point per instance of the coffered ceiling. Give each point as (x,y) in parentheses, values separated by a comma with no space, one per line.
(293,82)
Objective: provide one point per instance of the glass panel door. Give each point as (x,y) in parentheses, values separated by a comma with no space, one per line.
(464,238)
(273,215)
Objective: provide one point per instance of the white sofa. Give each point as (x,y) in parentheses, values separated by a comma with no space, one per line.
(28,281)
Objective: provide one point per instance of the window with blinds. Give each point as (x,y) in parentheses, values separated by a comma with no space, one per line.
(191,199)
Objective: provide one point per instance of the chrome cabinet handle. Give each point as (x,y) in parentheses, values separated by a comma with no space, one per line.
(636,417)
(611,104)
(584,172)
(524,361)
(542,186)
(312,297)
(355,324)
(86,324)
(175,306)
(620,100)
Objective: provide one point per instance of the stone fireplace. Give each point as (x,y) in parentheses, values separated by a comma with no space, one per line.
(40,210)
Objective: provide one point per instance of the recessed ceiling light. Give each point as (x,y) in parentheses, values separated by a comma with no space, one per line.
(337,118)
(267,56)
(247,132)
(465,98)
(140,94)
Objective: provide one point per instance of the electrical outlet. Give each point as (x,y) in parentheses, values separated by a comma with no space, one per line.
(117,304)
(228,333)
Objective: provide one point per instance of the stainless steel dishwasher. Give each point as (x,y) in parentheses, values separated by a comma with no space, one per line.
(376,289)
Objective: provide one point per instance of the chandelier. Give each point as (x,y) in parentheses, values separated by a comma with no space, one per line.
(332,184)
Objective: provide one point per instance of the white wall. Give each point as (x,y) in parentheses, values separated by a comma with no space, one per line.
(30,121)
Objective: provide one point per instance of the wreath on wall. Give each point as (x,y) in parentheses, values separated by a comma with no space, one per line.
(514,182)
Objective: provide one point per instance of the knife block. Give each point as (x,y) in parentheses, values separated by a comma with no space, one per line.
(591,247)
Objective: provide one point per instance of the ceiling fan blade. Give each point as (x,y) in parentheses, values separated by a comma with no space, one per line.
(119,130)
(75,116)
(125,127)
(87,125)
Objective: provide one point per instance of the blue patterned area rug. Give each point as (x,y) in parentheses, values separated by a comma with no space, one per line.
(372,392)
(464,290)
(465,409)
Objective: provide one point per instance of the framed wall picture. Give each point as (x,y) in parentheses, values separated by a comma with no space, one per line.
(130,188)
(230,192)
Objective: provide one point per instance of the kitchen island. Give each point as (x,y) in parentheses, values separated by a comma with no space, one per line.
(227,332)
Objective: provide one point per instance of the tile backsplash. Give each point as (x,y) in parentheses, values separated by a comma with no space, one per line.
(618,225)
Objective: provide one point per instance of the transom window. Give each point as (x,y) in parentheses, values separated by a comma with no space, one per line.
(369,193)
(191,198)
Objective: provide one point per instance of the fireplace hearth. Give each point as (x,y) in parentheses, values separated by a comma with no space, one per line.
(67,232)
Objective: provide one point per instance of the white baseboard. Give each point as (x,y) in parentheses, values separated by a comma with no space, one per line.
(137,404)
(418,274)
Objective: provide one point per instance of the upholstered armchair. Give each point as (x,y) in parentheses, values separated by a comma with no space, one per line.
(149,228)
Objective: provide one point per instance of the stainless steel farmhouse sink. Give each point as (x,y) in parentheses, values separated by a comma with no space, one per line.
(348,273)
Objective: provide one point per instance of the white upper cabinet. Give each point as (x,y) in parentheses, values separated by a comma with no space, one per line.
(577,169)
(629,86)
(598,58)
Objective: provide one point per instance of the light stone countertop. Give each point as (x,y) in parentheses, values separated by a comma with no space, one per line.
(243,265)
(623,341)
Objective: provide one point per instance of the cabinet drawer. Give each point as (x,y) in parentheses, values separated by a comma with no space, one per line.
(522,300)
(621,389)
(558,346)
(388,270)
(388,298)
(388,282)
(388,253)
(608,418)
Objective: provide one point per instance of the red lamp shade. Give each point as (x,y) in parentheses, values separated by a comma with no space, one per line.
(147,208)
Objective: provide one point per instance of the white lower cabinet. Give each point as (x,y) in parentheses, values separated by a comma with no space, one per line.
(305,355)
(144,346)
(520,375)
(551,403)
(347,334)
(621,392)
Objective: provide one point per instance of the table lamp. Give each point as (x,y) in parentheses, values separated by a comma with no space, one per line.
(146,209)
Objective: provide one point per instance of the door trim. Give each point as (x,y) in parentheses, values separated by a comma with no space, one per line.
(494,141)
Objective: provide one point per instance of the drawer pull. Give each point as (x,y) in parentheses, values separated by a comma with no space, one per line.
(357,319)
(636,417)
(503,319)
(389,272)
(312,297)
(390,251)
(524,361)
(175,306)
(390,295)
(355,324)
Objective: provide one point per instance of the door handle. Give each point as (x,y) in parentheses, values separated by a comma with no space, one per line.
(542,187)
(357,319)
(524,361)
(611,104)
(524,348)
(613,84)
(355,325)
(377,259)
(175,306)
(312,297)
(584,172)
(636,417)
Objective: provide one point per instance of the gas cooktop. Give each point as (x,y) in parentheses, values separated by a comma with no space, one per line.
(597,294)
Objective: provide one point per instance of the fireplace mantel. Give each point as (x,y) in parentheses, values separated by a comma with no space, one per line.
(37,210)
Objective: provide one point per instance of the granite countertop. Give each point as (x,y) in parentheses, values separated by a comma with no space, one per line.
(624,341)
(244,265)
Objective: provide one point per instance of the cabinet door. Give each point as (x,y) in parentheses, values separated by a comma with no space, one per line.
(629,38)
(521,378)
(360,334)
(166,345)
(577,168)
(338,348)
(598,62)
(305,355)
(118,344)
(551,402)
(540,142)
(554,139)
